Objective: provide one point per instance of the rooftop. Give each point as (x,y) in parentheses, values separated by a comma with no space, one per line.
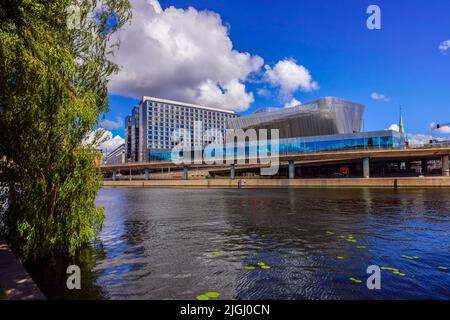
(184,104)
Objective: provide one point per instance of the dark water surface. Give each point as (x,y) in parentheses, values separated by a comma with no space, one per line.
(160,244)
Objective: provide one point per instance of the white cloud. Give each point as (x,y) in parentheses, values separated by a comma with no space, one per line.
(182,54)
(379,97)
(263,92)
(293,103)
(394,127)
(419,138)
(440,128)
(111,124)
(444,46)
(106,141)
(290,77)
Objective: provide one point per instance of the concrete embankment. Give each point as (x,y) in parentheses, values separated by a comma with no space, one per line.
(414,182)
(14,279)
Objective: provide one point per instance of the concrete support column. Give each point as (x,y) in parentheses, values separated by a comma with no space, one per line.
(366,168)
(291,169)
(130,174)
(114,175)
(146,174)
(445,166)
(232,171)
(185,172)
(424,167)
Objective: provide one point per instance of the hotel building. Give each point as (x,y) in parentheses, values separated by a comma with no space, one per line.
(151,124)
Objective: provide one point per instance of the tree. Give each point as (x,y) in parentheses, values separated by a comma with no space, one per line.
(55,62)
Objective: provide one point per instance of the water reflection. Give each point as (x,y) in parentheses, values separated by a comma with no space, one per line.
(159,244)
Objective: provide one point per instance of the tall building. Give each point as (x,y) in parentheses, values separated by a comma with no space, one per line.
(128,127)
(154,120)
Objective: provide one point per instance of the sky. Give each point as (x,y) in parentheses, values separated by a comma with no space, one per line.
(244,55)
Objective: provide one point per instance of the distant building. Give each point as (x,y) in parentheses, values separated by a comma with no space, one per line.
(116,156)
(150,126)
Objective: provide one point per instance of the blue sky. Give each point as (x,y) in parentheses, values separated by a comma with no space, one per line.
(401,61)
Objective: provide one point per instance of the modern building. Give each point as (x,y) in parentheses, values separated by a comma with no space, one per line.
(116,156)
(128,127)
(325,124)
(324,116)
(151,124)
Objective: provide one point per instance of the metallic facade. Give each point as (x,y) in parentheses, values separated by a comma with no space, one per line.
(324,116)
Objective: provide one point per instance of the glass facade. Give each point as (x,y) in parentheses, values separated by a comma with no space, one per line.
(364,140)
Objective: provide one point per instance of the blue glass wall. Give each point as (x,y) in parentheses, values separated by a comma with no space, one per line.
(364,140)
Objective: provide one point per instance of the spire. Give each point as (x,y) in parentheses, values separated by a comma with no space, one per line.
(401,126)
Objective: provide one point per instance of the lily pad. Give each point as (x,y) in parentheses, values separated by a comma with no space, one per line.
(330,233)
(216,253)
(261,264)
(212,294)
(202,297)
(249,268)
(362,247)
(265,267)
(389,268)
(409,257)
(442,267)
(340,257)
(355,280)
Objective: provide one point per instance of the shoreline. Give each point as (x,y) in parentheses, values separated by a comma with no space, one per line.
(394,183)
(14,279)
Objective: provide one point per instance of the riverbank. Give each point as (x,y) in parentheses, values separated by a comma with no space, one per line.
(14,279)
(410,182)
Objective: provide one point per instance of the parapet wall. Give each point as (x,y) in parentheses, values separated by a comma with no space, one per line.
(415,182)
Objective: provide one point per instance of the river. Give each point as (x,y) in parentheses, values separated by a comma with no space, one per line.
(262,244)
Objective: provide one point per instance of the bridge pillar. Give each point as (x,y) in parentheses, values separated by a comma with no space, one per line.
(130,174)
(291,169)
(232,171)
(114,175)
(146,174)
(185,172)
(424,167)
(445,166)
(366,168)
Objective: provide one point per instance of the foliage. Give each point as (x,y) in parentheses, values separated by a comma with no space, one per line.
(53,88)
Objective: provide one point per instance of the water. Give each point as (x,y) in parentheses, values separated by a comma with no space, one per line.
(159,244)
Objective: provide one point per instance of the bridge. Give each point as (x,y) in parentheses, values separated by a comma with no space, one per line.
(293,161)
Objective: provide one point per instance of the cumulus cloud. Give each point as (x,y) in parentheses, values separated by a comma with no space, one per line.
(289,77)
(440,128)
(182,54)
(104,140)
(293,103)
(394,127)
(111,124)
(263,92)
(444,46)
(379,97)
